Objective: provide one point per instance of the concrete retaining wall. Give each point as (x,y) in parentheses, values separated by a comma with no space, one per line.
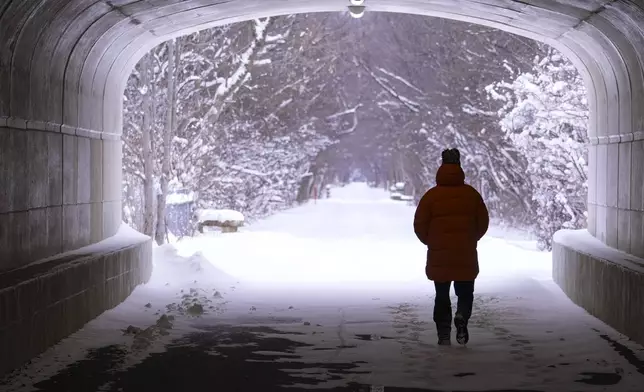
(44,303)
(607,283)
(58,192)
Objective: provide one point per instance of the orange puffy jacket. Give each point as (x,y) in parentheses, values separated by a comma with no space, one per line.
(450,219)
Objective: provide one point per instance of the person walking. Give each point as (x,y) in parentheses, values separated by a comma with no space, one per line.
(450,219)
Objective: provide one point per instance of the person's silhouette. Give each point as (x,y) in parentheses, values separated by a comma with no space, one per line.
(450,220)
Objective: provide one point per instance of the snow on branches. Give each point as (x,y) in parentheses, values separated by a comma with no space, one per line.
(229,114)
(545,116)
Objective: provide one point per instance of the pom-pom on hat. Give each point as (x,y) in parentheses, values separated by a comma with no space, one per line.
(452,156)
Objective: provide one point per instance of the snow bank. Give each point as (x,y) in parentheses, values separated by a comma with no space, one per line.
(172,269)
(584,242)
(220,215)
(124,237)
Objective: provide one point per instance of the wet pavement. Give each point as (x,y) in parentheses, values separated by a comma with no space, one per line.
(245,358)
(222,358)
(367,346)
(198,361)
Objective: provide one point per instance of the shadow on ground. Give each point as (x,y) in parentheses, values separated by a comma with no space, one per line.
(216,358)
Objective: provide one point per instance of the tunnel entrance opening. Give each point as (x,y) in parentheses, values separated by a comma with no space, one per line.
(386,125)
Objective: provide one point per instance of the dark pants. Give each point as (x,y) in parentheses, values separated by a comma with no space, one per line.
(443,306)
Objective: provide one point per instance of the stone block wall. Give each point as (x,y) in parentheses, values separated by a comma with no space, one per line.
(58,192)
(605,282)
(616,193)
(44,303)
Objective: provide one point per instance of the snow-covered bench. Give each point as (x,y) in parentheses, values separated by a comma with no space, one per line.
(400,196)
(228,220)
(398,192)
(396,196)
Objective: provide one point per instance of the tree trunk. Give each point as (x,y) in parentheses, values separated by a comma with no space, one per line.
(305,186)
(161,232)
(148,154)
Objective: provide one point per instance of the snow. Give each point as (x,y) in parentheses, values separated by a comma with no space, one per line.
(220,215)
(400,196)
(384,83)
(180,198)
(400,79)
(180,140)
(248,171)
(263,62)
(344,112)
(348,273)
(545,116)
(356,226)
(559,86)
(244,59)
(275,37)
(285,103)
(169,266)
(124,237)
(584,242)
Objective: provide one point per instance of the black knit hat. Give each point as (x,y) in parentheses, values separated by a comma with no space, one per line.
(452,156)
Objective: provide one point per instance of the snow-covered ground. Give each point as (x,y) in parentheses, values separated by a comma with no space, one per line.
(220,216)
(333,293)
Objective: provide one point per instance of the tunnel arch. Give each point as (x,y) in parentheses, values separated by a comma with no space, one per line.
(64,64)
(94,62)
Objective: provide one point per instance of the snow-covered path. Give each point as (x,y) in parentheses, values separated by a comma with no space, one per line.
(331,296)
(358,236)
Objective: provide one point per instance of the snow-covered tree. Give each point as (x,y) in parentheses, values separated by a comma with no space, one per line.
(422,85)
(226,113)
(258,115)
(174,98)
(545,116)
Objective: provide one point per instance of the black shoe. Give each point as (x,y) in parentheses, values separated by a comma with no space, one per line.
(444,342)
(462,335)
(444,331)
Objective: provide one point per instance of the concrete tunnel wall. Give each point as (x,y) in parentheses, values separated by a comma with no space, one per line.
(63,68)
